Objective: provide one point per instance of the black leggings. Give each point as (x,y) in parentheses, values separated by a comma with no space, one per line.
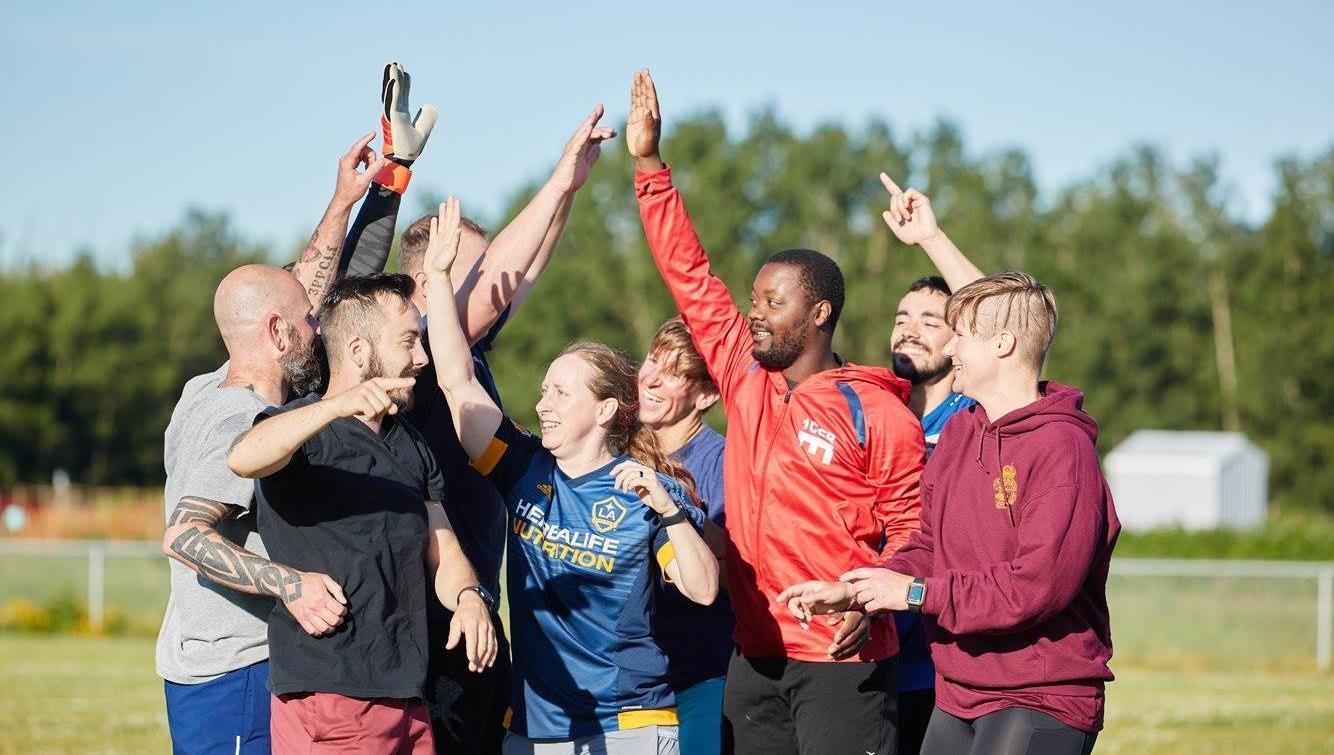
(1012,731)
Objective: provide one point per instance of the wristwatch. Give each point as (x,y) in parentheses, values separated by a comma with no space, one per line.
(483,593)
(916,595)
(677,518)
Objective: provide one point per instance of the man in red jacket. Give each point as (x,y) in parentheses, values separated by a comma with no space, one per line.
(1010,566)
(820,470)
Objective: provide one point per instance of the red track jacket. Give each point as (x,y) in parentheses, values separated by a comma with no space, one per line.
(818,479)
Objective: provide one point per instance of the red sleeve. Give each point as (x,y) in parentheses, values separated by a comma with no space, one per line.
(895,457)
(1058,537)
(916,556)
(720,331)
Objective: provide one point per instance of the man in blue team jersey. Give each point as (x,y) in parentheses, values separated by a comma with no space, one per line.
(916,346)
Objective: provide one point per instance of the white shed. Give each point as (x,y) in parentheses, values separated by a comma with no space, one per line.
(1197,480)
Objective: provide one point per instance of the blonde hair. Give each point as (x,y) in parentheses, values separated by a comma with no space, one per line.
(412,244)
(1013,301)
(615,375)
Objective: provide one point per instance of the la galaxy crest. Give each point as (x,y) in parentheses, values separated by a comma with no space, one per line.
(608,514)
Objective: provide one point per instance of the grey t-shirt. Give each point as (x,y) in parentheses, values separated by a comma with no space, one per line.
(208,629)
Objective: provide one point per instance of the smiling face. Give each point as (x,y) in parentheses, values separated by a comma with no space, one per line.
(976,358)
(567,411)
(397,348)
(782,316)
(918,339)
(667,398)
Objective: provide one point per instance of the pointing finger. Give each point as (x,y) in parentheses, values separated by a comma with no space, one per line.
(892,187)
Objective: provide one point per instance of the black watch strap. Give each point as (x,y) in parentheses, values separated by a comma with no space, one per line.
(482,593)
(677,518)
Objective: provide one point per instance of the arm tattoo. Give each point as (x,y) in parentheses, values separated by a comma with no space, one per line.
(204,549)
(325,261)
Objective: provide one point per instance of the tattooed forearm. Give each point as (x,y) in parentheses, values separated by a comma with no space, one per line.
(201,547)
(316,267)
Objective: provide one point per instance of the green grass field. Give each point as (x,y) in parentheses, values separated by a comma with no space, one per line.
(63,694)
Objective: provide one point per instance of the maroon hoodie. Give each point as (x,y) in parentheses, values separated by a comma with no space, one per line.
(1017,532)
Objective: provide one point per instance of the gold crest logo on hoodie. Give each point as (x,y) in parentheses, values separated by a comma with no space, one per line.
(1006,487)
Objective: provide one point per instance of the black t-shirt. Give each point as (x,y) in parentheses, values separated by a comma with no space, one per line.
(351,504)
(476,509)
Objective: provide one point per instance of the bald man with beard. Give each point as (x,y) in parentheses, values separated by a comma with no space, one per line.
(212,650)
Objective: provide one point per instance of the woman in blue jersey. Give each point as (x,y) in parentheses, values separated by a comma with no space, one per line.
(675,391)
(593,527)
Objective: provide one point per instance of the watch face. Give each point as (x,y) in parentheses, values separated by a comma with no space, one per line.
(915,593)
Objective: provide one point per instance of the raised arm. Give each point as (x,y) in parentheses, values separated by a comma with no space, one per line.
(318,265)
(269,446)
(544,253)
(372,233)
(719,330)
(911,218)
(454,578)
(475,415)
(192,538)
(521,250)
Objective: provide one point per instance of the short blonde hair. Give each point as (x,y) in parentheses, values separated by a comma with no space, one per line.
(1012,301)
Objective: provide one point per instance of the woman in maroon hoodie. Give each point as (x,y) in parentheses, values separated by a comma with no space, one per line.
(1010,566)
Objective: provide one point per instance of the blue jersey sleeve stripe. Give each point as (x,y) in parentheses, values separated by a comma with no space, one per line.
(855,406)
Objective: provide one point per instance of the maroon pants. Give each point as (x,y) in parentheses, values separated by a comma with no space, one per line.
(320,722)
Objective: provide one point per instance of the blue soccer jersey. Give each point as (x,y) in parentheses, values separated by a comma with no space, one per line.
(935,420)
(583,562)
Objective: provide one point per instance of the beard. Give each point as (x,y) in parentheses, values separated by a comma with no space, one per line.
(783,349)
(304,366)
(933,370)
(402,397)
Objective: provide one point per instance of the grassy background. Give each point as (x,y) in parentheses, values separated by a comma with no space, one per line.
(1189,624)
(66,694)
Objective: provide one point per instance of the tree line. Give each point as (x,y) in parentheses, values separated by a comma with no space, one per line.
(1175,312)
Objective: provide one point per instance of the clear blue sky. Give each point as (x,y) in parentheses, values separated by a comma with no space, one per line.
(120,115)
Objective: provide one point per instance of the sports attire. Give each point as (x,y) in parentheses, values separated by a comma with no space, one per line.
(816,476)
(698,639)
(467,708)
(351,504)
(1018,528)
(917,677)
(212,649)
(583,562)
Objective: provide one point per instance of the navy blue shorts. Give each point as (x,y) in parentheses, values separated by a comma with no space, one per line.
(226,716)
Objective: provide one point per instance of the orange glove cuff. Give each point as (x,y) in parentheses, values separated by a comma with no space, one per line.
(394,177)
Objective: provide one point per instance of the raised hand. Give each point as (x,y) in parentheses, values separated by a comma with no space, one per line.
(807,599)
(909,216)
(633,477)
(314,600)
(581,151)
(643,127)
(443,247)
(404,135)
(370,400)
(353,183)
